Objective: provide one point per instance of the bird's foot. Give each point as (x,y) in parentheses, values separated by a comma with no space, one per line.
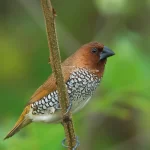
(57,106)
(75,147)
(68,109)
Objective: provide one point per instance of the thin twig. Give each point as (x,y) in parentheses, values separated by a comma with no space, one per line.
(55,60)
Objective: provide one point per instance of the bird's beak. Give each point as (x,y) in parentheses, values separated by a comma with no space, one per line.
(106,53)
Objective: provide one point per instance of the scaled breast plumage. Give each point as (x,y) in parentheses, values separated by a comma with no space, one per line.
(81,85)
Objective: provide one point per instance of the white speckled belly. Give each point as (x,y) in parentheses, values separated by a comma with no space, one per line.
(80,85)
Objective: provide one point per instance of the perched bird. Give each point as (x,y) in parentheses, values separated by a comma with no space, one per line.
(82,72)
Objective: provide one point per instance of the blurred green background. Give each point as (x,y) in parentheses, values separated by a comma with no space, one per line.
(118,116)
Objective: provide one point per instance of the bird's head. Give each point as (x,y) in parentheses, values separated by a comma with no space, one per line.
(92,56)
(94,53)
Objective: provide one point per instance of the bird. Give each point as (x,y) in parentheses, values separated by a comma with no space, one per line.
(82,71)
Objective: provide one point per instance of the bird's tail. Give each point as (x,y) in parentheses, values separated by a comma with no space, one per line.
(22,122)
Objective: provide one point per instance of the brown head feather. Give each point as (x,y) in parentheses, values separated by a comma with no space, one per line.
(84,57)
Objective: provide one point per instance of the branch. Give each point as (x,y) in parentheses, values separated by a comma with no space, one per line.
(55,60)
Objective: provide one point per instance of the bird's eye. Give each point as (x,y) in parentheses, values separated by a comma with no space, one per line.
(94,50)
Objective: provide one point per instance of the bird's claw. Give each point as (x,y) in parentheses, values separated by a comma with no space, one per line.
(68,109)
(75,147)
(57,106)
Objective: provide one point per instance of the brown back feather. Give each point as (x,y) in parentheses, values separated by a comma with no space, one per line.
(50,85)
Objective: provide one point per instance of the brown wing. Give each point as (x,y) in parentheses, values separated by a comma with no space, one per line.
(50,85)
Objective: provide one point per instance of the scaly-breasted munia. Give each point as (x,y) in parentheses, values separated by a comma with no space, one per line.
(82,72)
